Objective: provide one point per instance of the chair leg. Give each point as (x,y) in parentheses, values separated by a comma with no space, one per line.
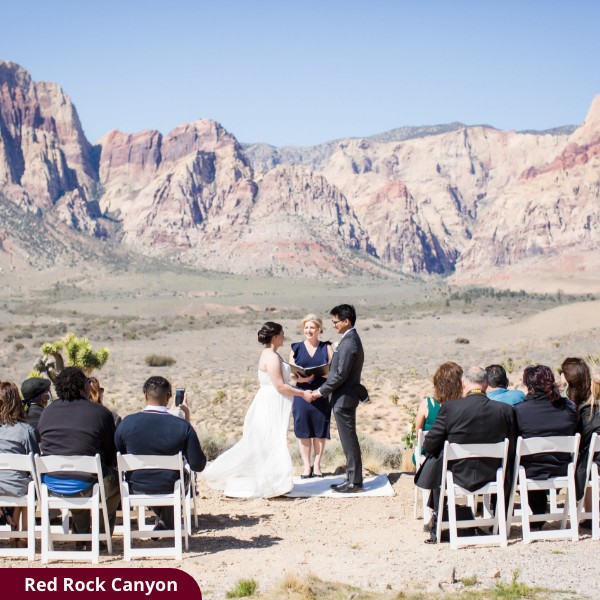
(31,526)
(95,518)
(572,502)
(452,512)
(595,506)
(178,529)
(126,526)
(500,516)
(524,507)
(45,525)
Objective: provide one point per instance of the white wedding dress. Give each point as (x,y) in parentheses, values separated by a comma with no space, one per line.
(259,465)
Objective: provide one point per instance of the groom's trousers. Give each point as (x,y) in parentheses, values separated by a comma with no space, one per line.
(345,419)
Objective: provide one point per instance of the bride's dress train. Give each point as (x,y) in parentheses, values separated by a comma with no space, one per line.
(259,465)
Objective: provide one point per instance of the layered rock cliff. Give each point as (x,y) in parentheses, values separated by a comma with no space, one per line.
(411,200)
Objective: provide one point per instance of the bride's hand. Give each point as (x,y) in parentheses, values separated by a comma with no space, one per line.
(307,395)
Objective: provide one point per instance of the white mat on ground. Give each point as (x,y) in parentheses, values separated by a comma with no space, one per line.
(378,485)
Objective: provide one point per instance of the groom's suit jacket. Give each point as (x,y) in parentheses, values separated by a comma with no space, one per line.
(342,385)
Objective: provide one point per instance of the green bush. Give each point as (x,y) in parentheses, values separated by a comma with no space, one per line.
(243,589)
(158,360)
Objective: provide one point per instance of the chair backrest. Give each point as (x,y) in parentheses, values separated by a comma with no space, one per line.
(419,457)
(461,451)
(20,462)
(594,449)
(568,444)
(136,462)
(66,464)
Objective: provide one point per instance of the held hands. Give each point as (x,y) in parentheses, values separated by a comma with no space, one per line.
(307,395)
(314,395)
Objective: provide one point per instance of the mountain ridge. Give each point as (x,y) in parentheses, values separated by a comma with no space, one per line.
(432,199)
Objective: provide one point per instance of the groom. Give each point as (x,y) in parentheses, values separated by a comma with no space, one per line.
(342,387)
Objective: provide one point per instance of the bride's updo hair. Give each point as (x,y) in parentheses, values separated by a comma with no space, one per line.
(268,331)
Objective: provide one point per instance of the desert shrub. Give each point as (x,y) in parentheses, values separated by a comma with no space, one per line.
(462,340)
(159,360)
(213,445)
(219,397)
(243,589)
(130,335)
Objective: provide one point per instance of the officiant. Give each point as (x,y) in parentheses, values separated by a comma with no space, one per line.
(311,419)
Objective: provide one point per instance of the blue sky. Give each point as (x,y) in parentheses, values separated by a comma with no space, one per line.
(304,72)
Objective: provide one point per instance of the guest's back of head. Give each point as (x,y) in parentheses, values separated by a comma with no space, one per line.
(157,390)
(447,384)
(475,378)
(539,379)
(496,376)
(71,384)
(577,375)
(12,410)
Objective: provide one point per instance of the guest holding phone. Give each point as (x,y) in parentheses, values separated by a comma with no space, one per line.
(311,420)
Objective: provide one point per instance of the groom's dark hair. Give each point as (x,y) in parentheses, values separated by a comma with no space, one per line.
(343,312)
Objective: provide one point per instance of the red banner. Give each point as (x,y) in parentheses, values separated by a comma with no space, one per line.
(82,582)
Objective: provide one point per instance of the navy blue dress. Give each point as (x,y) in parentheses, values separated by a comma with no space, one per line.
(311,419)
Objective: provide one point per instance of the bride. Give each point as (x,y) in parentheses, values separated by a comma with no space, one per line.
(260,465)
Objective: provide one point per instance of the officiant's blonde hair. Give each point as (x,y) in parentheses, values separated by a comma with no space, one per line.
(313,319)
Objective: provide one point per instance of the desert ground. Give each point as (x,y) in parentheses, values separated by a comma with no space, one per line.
(207,323)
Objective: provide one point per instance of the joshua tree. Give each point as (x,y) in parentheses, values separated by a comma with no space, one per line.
(78,353)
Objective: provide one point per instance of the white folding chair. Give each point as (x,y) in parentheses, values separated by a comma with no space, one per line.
(424,494)
(452,491)
(20,462)
(177,499)
(592,480)
(546,445)
(93,503)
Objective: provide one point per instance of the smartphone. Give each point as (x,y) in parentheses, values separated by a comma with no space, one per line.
(179,396)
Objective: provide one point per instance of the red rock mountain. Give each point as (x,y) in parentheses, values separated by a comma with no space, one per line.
(412,200)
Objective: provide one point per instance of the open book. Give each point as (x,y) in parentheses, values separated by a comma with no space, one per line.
(319,371)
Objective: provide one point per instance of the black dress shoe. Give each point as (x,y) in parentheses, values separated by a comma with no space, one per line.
(334,486)
(348,488)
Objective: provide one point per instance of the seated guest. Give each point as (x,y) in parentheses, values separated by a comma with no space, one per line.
(447,385)
(97,396)
(473,419)
(74,426)
(576,376)
(16,437)
(498,386)
(544,413)
(155,431)
(36,394)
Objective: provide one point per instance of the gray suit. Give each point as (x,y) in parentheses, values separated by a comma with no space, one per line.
(342,387)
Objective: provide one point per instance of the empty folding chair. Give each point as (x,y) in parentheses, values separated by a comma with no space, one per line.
(592,480)
(546,445)
(93,503)
(494,518)
(128,463)
(20,462)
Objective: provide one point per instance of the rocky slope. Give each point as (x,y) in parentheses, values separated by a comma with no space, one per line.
(430,199)
(45,157)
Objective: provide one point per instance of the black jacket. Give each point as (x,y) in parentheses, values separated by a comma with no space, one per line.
(78,428)
(538,417)
(586,428)
(474,419)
